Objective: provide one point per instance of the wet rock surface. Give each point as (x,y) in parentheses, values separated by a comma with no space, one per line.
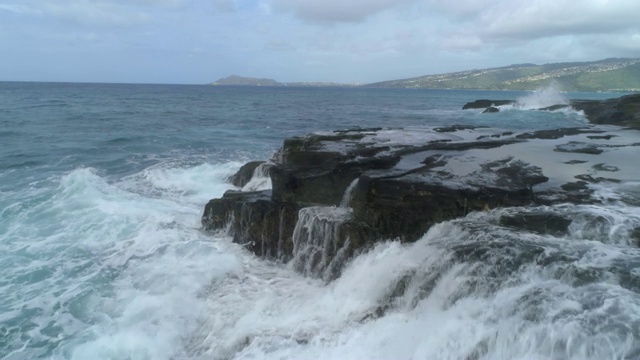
(622,111)
(579,147)
(538,222)
(254,220)
(244,175)
(486,103)
(557,133)
(395,184)
(491,109)
(635,236)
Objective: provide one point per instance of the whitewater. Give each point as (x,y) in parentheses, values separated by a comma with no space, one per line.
(102,253)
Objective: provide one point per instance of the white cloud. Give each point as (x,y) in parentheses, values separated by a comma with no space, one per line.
(333,11)
(19,9)
(95,12)
(561,17)
(525,20)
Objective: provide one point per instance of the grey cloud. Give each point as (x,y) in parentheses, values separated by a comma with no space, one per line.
(625,44)
(20,9)
(562,17)
(333,11)
(527,20)
(465,8)
(224,5)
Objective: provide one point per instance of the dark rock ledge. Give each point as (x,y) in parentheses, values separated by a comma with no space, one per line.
(335,194)
(622,111)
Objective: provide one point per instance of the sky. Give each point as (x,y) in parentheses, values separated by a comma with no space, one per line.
(347,41)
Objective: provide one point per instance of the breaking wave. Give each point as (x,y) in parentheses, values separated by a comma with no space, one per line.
(543,97)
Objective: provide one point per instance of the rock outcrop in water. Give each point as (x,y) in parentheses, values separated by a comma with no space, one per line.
(622,111)
(335,194)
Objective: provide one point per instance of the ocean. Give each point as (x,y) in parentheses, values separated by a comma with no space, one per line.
(102,254)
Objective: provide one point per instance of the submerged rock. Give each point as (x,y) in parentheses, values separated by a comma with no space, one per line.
(635,236)
(454,128)
(556,133)
(538,222)
(580,148)
(554,107)
(595,180)
(601,137)
(605,167)
(574,162)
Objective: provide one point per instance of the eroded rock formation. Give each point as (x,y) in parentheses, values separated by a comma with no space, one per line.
(335,194)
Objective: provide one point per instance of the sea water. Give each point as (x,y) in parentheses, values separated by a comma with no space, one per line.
(102,255)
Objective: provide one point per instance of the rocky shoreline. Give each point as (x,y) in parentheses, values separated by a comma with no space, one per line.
(336,194)
(622,111)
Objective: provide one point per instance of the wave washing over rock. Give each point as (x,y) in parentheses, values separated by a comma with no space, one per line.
(623,111)
(456,242)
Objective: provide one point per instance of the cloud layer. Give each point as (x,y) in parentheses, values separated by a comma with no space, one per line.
(334,11)
(303,40)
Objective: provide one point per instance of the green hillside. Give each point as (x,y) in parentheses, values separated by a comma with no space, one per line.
(603,75)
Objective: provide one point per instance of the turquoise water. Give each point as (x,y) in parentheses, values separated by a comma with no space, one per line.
(101,254)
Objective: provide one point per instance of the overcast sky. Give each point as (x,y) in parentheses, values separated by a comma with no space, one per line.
(199,41)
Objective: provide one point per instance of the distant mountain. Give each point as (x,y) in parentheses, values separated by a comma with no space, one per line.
(235,80)
(603,75)
(246,81)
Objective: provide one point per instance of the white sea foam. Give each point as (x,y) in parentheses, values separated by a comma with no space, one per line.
(111,271)
(182,183)
(162,268)
(542,98)
(118,271)
(261,180)
(448,309)
(178,293)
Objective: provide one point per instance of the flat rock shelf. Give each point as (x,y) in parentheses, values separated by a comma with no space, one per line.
(336,194)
